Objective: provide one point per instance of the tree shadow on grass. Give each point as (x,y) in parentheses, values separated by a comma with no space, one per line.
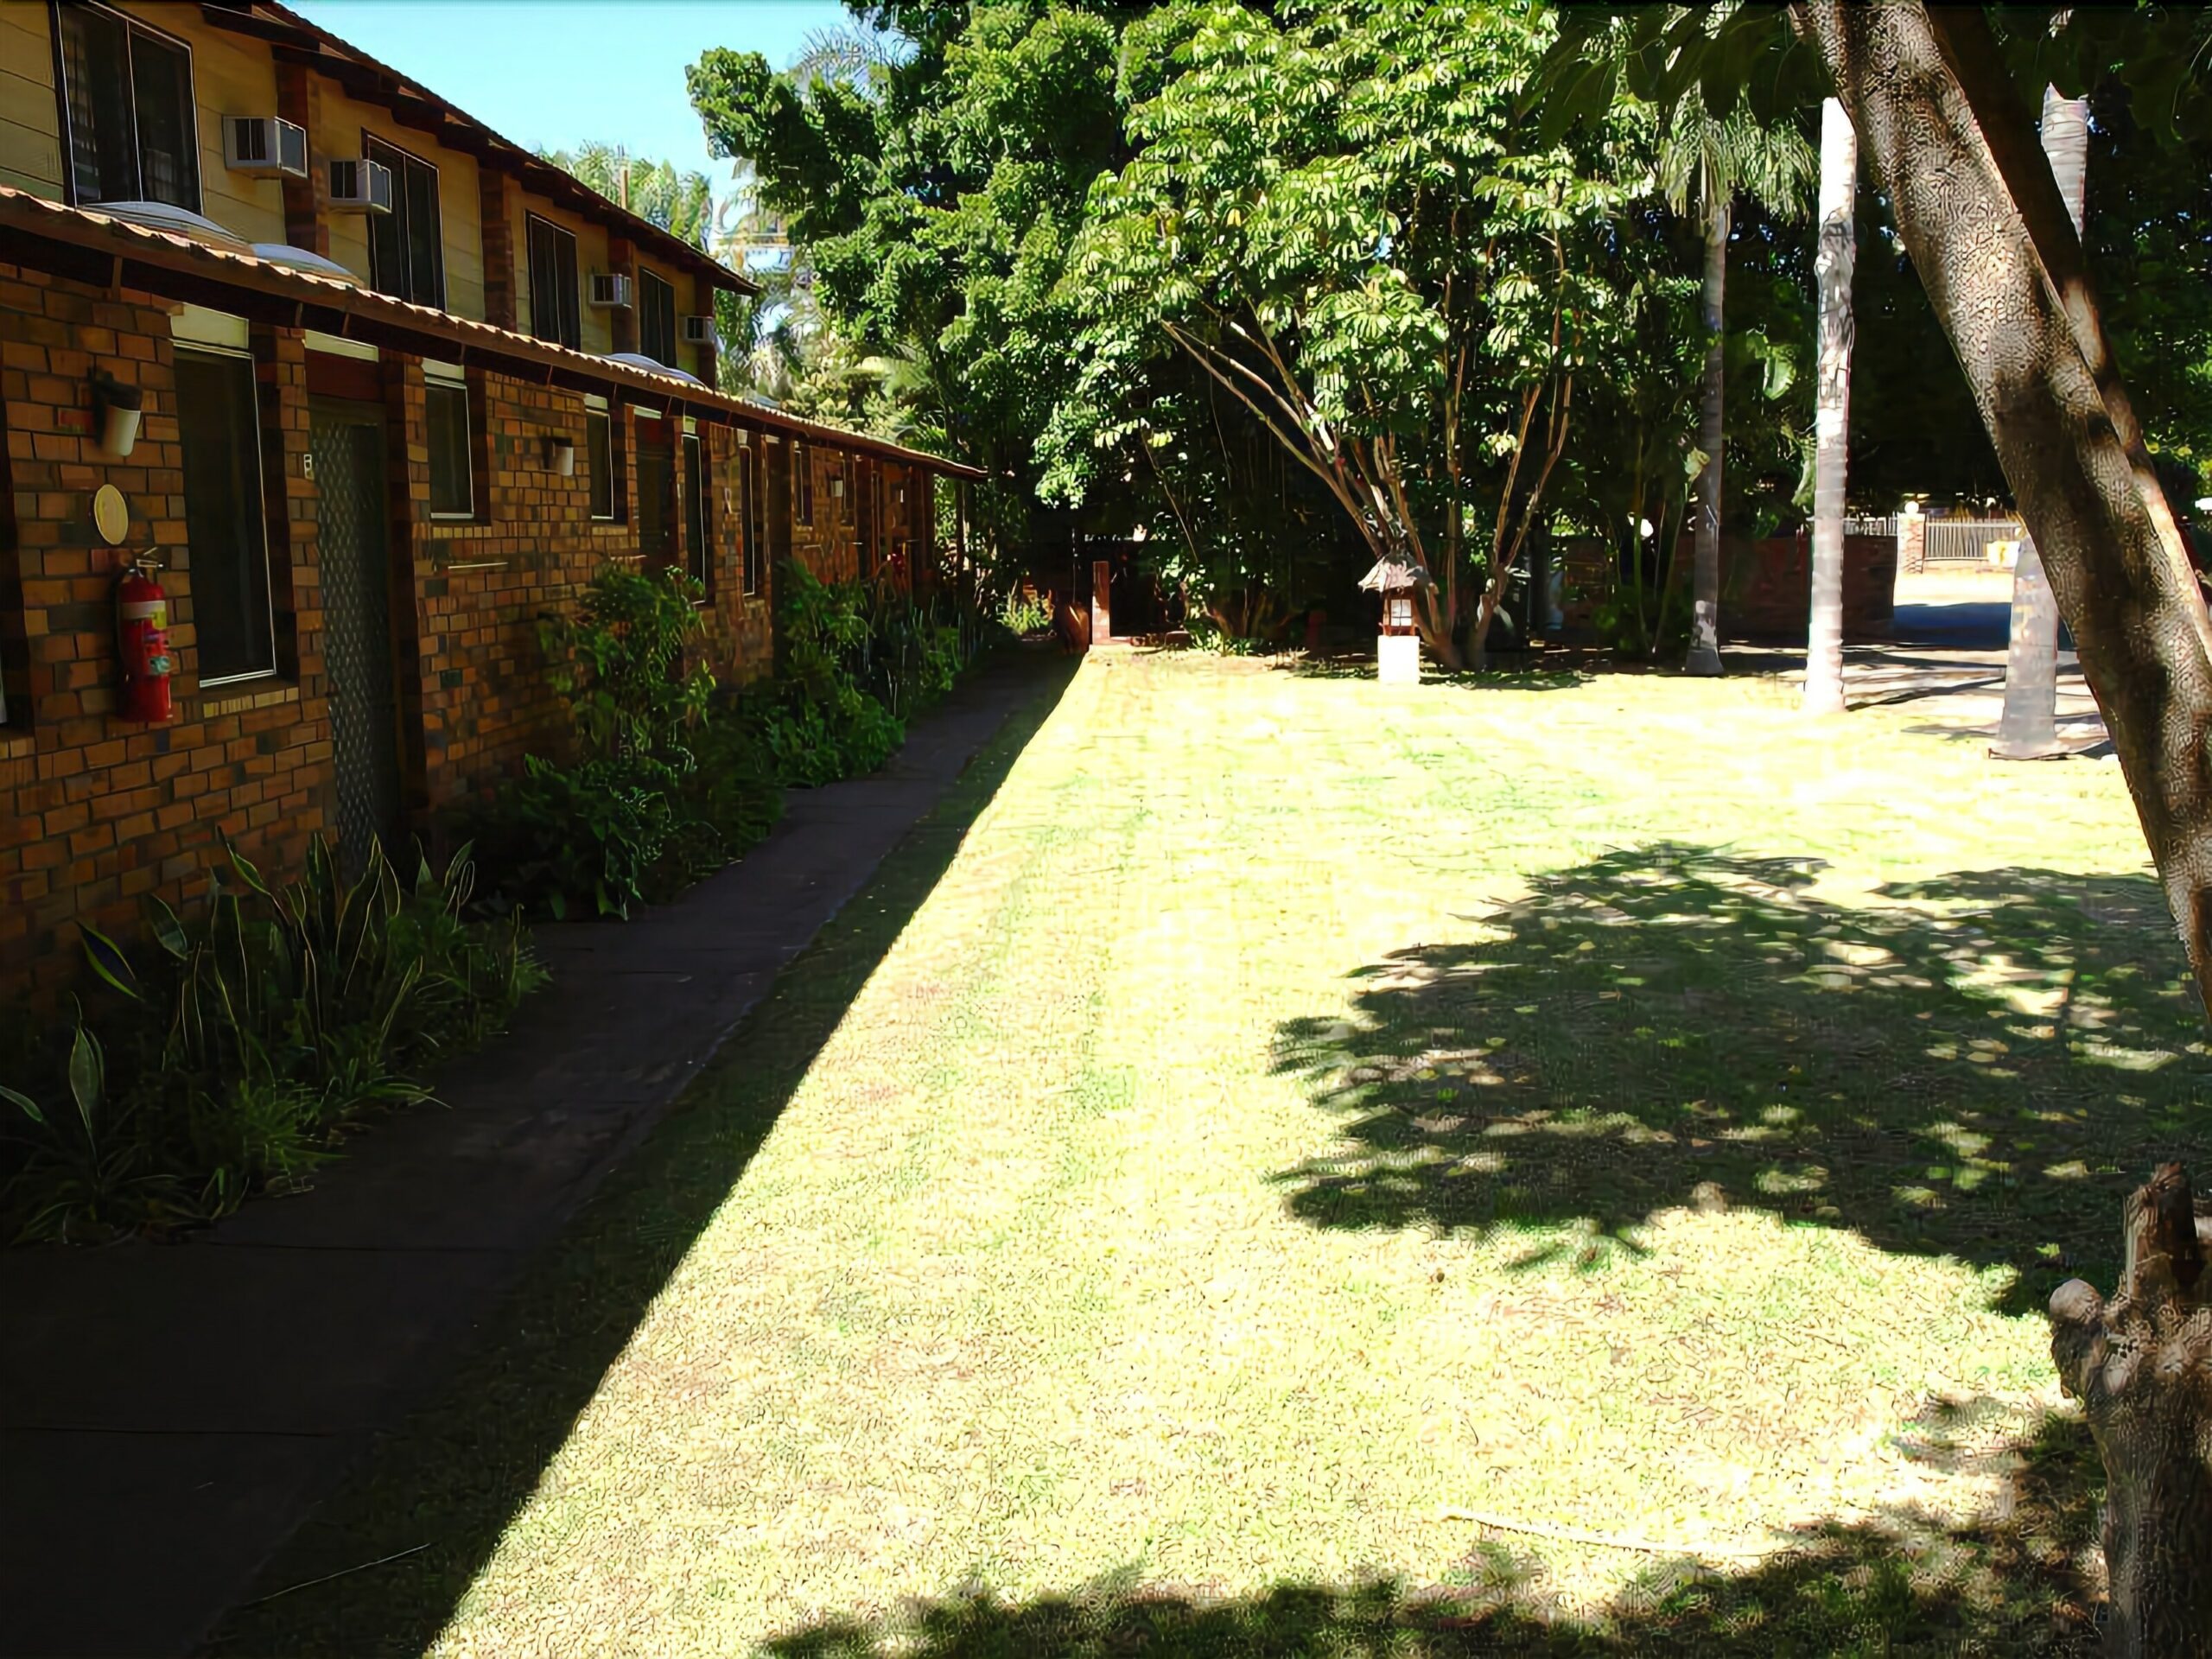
(381,1567)
(2009,1585)
(1510,671)
(1978,1066)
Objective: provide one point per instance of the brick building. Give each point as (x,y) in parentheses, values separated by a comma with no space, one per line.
(401,388)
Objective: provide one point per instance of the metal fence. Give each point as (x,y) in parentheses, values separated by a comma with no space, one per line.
(1968,541)
(1863,524)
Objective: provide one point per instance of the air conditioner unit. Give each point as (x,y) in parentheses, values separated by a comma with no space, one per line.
(610,289)
(698,331)
(265,143)
(360,186)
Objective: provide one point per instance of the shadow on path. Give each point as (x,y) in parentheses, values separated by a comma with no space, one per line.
(381,1567)
(1894,1588)
(1979,1068)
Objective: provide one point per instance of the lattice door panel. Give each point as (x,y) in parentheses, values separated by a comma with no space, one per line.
(357,630)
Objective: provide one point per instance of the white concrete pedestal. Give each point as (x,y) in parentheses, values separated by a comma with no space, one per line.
(1398,659)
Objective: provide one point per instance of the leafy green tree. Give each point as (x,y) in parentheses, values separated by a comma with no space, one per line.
(1324,216)
(937,188)
(680,203)
(1712,158)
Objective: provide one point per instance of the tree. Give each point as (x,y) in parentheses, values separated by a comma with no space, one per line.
(680,203)
(1715,157)
(1323,217)
(935,184)
(1838,251)
(2029,728)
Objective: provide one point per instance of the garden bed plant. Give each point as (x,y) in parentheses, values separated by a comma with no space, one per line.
(229,1053)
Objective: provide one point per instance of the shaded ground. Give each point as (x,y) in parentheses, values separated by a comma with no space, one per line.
(1958,1070)
(1072,1257)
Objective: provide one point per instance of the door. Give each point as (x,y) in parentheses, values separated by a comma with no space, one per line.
(656,486)
(348,443)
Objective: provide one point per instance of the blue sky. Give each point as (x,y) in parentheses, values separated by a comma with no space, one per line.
(559,73)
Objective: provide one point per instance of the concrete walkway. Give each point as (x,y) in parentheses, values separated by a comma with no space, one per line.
(168,1415)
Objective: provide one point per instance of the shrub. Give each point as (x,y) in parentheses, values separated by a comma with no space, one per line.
(1026,613)
(246,1040)
(667,783)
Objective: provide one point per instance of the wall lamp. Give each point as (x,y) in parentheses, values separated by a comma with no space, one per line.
(116,412)
(560,456)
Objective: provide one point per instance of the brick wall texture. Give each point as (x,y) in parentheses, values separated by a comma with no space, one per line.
(96,811)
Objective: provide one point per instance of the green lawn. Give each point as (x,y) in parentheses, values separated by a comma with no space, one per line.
(1261,1113)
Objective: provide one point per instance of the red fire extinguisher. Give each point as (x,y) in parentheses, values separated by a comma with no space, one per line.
(141,634)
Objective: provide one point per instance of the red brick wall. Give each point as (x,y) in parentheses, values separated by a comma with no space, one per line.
(96,811)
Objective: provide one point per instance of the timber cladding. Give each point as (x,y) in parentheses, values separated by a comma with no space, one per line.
(96,811)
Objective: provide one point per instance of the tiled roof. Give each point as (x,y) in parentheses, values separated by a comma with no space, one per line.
(86,244)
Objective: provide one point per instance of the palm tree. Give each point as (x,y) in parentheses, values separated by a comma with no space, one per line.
(2029,728)
(1713,157)
(1832,262)
(680,203)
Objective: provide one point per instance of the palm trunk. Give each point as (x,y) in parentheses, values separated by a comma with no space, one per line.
(1837,249)
(1712,437)
(2029,729)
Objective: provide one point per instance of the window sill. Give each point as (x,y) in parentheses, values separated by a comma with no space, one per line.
(237,696)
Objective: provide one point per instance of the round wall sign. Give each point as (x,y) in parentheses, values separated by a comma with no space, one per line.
(111,514)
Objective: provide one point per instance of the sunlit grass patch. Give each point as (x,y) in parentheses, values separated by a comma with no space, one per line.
(1301,1111)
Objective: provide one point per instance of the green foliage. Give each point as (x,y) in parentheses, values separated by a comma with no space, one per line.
(1328,215)
(250,1039)
(635,816)
(1026,612)
(680,203)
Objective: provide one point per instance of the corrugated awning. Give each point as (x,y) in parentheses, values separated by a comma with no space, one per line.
(93,247)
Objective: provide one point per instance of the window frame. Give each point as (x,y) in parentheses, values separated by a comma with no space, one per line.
(698,512)
(130,25)
(802,483)
(612,515)
(432,386)
(258,515)
(651,286)
(568,301)
(753,511)
(371,142)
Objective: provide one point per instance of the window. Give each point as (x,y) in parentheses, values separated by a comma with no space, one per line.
(849,471)
(127,117)
(655,319)
(452,475)
(598,455)
(406,247)
(802,484)
(698,522)
(553,310)
(220,425)
(752,507)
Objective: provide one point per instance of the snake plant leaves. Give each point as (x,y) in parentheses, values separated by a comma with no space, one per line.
(108,961)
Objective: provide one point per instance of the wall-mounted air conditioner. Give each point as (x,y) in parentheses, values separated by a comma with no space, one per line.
(610,289)
(698,331)
(360,186)
(265,143)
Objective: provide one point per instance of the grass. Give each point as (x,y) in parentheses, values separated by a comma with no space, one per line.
(1261,1113)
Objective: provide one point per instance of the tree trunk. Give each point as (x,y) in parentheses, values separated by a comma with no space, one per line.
(1713,438)
(2141,1365)
(1836,254)
(2029,729)
(2003,271)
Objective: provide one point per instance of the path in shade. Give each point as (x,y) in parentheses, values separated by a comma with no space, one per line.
(169,1414)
